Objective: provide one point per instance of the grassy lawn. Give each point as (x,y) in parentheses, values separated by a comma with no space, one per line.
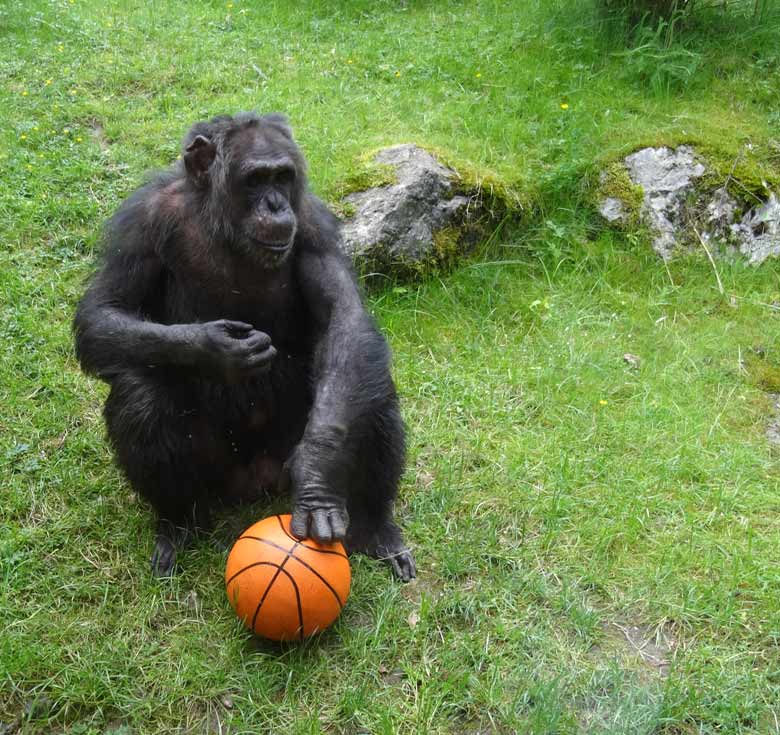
(597,538)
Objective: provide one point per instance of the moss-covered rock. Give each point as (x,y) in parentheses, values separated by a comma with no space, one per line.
(618,198)
(689,203)
(409,215)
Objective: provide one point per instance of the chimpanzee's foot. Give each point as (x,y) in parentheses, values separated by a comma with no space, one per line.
(169,540)
(384,543)
(402,563)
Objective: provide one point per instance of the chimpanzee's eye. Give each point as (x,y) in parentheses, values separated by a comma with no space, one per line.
(285,178)
(255,179)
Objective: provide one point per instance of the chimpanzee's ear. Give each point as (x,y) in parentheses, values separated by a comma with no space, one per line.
(280,123)
(198,156)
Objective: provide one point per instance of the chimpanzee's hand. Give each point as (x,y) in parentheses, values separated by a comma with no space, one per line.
(232,349)
(319,506)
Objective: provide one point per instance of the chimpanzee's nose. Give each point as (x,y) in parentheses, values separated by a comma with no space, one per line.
(275,201)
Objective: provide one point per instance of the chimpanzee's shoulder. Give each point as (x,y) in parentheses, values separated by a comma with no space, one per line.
(320,228)
(150,213)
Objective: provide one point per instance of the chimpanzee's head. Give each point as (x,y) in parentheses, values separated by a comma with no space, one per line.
(252,176)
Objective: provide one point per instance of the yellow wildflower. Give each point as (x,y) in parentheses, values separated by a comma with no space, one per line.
(564,106)
(602,402)
(22,137)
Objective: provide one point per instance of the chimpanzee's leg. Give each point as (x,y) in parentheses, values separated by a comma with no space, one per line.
(380,456)
(171,452)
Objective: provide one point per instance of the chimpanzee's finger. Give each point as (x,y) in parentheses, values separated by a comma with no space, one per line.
(339,522)
(237,330)
(257,341)
(320,526)
(260,360)
(299,525)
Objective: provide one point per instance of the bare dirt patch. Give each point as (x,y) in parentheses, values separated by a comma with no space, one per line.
(638,647)
(99,134)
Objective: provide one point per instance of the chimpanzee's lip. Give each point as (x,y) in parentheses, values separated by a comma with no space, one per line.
(276,247)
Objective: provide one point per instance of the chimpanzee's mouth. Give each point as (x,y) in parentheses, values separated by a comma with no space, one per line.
(274,247)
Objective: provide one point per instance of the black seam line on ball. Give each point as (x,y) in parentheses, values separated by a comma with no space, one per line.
(297,600)
(300,543)
(249,566)
(300,561)
(310,548)
(295,587)
(279,569)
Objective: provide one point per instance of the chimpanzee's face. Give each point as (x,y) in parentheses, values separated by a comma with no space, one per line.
(265,185)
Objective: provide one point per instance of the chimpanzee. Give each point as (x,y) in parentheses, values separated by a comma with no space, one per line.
(240,358)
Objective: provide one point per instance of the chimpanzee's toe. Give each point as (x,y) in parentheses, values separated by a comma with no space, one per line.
(164,557)
(403,565)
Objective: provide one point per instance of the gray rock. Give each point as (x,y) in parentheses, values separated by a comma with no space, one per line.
(397,223)
(666,176)
(612,210)
(679,212)
(773,429)
(758,234)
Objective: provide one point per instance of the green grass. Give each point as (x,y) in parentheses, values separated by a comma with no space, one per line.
(565,506)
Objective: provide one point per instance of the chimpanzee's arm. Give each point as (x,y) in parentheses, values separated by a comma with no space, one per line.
(114,324)
(351,377)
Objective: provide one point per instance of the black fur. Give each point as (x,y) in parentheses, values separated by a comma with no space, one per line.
(230,328)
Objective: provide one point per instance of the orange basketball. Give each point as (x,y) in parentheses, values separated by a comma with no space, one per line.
(282,588)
